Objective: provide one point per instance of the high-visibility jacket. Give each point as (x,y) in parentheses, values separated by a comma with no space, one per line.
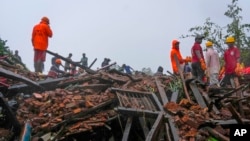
(40,34)
(175,51)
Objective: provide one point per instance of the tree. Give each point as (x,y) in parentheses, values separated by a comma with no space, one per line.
(4,50)
(218,34)
(3,47)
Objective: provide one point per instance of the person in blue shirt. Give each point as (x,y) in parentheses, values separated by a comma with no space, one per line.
(187,70)
(127,69)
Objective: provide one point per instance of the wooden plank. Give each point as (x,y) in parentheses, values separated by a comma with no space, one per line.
(174,96)
(182,77)
(227,122)
(173,130)
(143,125)
(197,95)
(216,134)
(161,90)
(152,135)
(208,101)
(235,84)
(235,114)
(126,132)
(168,134)
(137,112)
(11,75)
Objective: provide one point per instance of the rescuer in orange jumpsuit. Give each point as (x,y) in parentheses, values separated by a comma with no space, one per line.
(175,51)
(40,34)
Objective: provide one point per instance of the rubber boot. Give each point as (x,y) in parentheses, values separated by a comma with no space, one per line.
(36,66)
(39,66)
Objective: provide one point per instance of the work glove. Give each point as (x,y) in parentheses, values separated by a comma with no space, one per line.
(187,59)
(221,73)
(203,64)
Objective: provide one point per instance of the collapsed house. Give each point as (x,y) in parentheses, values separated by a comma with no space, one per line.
(111,105)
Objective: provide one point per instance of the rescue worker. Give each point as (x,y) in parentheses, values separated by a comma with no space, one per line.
(127,69)
(17,57)
(198,63)
(105,63)
(159,71)
(55,71)
(53,60)
(232,61)
(213,64)
(67,64)
(187,70)
(176,52)
(84,60)
(40,34)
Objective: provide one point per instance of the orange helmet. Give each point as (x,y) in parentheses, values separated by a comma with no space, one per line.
(58,61)
(45,19)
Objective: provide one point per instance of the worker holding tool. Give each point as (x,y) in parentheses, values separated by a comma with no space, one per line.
(176,52)
(213,64)
(232,61)
(40,34)
(55,71)
(198,63)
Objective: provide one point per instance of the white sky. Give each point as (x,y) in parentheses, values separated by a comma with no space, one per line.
(136,32)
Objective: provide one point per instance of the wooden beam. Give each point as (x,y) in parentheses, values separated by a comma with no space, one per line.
(197,95)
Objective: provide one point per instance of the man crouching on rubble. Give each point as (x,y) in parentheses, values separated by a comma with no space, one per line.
(55,71)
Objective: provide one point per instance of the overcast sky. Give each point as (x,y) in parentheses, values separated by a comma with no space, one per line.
(135,32)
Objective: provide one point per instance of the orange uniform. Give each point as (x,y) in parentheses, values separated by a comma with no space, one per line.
(41,33)
(175,51)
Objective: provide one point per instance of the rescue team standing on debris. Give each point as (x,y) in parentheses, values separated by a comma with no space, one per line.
(198,63)
(40,34)
(208,66)
(175,51)
(213,64)
(199,68)
(232,61)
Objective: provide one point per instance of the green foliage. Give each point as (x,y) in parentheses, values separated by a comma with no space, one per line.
(217,34)
(3,47)
(4,50)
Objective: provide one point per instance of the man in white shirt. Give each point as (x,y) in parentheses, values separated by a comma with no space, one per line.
(212,63)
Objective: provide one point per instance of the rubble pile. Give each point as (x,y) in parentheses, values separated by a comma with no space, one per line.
(111,104)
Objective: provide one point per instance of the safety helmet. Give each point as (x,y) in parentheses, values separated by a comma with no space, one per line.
(58,61)
(230,39)
(209,44)
(45,19)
